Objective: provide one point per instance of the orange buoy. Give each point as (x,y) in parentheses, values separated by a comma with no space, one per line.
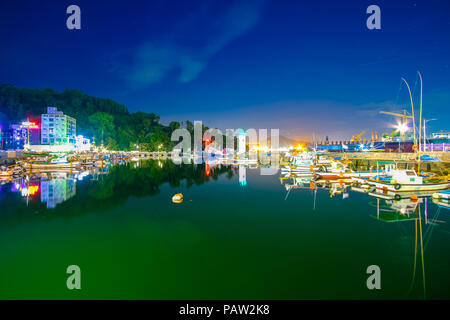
(414,198)
(178,198)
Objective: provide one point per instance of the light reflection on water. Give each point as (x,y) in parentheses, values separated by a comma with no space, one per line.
(237,234)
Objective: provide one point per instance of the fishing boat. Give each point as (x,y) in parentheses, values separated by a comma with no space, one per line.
(442,203)
(6,172)
(406,181)
(338,170)
(10,171)
(391,195)
(54,163)
(443,194)
(395,211)
(296,169)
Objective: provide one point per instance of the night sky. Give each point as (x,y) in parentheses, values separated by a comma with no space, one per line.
(302,66)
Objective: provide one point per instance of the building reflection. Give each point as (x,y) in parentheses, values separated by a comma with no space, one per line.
(56,191)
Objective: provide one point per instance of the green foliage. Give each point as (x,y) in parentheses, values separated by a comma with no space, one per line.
(103,126)
(98,118)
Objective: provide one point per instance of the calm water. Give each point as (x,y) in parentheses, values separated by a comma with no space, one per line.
(237,235)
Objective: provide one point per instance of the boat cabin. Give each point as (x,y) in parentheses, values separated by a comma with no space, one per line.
(405,177)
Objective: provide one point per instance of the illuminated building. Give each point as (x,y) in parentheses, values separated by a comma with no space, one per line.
(57,128)
(82,144)
(19,135)
(56,191)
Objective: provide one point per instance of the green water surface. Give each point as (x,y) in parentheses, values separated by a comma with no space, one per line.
(233,237)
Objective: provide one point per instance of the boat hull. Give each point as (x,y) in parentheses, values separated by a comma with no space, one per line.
(53,165)
(346,175)
(442,195)
(409,187)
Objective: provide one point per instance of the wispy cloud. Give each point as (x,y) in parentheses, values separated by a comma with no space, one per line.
(154,61)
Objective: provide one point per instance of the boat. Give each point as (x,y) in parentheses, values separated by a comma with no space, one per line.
(339,170)
(442,194)
(10,171)
(391,195)
(406,180)
(442,203)
(50,165)
(297,170)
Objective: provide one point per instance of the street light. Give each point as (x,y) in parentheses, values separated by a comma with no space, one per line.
(402,127)
(425,133)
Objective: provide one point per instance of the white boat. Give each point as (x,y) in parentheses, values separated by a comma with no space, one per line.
(291,168)
(68,165)
(443,194)
(442,203)
(338,170)
(406,181)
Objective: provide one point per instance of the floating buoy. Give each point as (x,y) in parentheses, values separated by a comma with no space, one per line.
(414,198)
(311,185)
(311,168)
(178,198)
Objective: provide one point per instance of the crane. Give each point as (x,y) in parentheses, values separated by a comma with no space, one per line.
(374,137)
(358,136)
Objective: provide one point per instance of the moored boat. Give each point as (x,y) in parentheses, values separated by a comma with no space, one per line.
(442,194)
(406,181)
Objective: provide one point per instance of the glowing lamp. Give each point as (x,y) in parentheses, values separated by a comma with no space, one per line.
(402,127)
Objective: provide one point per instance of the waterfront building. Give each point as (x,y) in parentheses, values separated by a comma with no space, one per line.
(82,144)
(16,137)
(19,135)
(57,128)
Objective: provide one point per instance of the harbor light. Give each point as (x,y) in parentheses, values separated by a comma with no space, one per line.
(402,127)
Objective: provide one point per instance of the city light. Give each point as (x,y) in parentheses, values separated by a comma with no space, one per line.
(402,127)
(30,125)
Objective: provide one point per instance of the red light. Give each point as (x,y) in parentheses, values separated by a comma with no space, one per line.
(33,189)
(33,125)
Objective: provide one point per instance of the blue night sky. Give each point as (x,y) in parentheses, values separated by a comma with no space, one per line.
(302,66)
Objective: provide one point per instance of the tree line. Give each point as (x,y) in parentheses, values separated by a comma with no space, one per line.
(103,120)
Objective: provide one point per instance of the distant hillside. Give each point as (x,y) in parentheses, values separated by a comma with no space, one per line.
(100,118)
(287,142)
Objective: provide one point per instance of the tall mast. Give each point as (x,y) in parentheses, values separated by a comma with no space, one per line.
(420,120)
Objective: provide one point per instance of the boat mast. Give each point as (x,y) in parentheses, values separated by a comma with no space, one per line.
(420,121)
(412,108)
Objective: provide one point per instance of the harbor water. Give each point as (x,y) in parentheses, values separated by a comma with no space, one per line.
(236,235)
